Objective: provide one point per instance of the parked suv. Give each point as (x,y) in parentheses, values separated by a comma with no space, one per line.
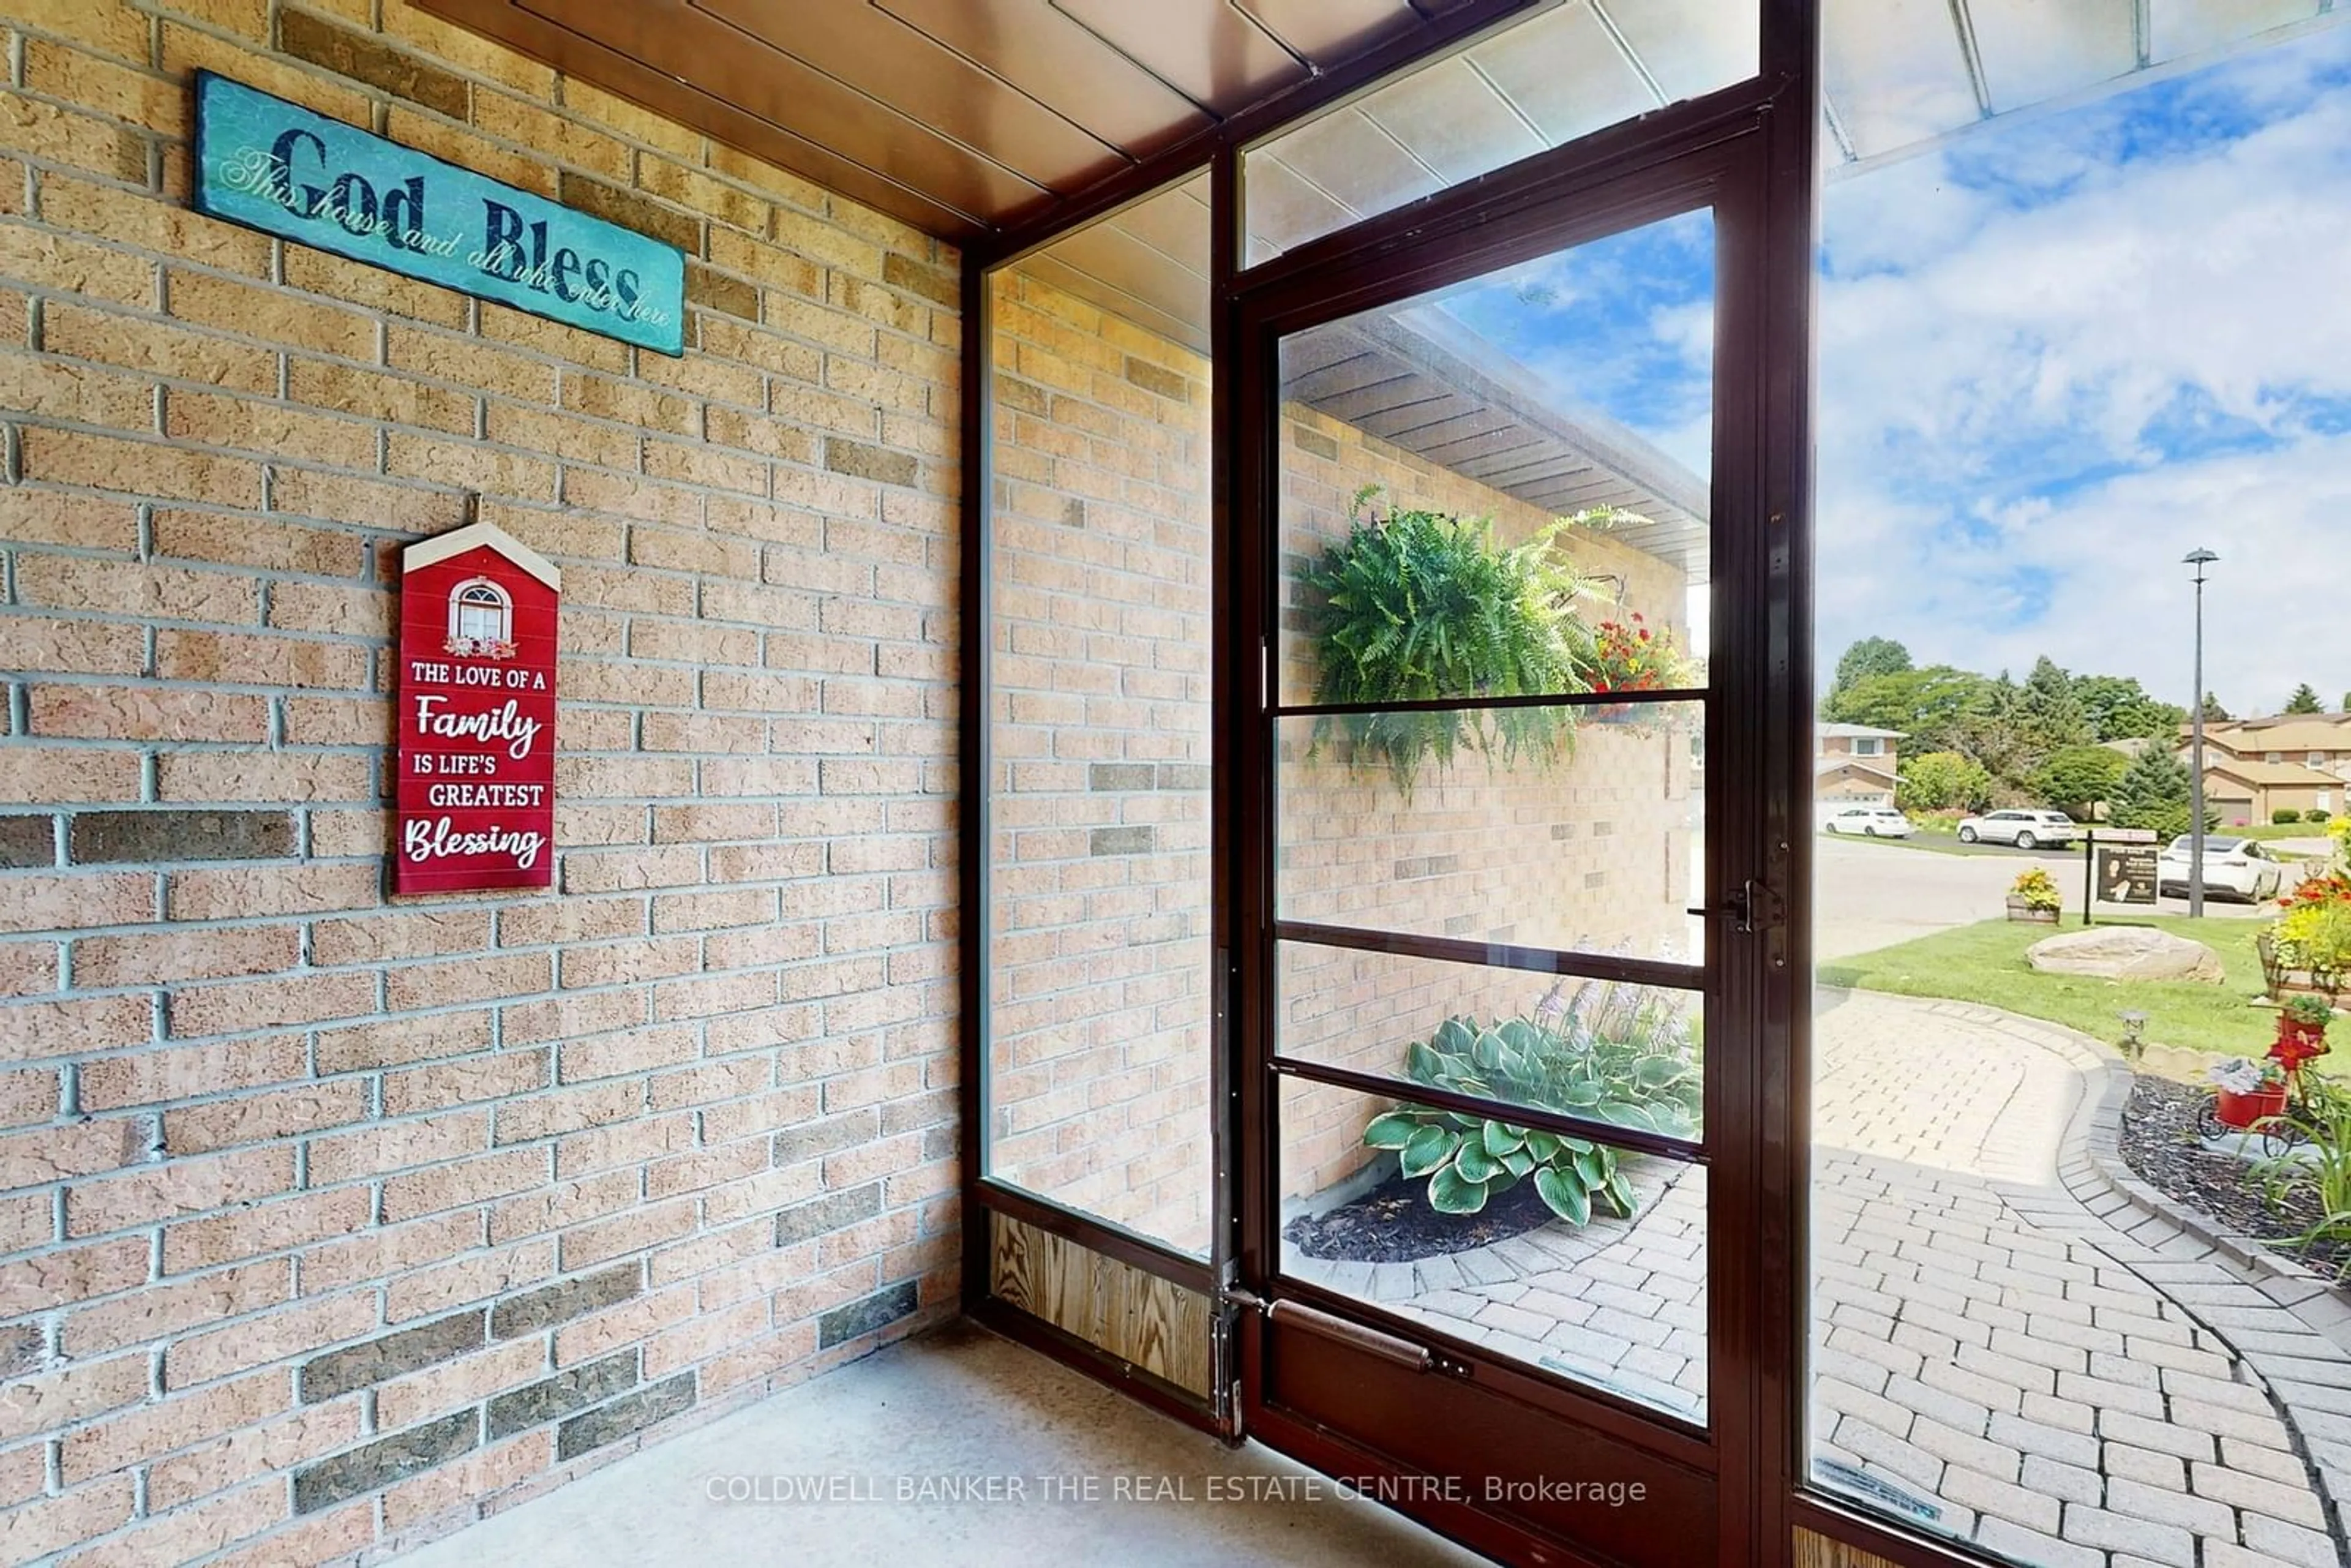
(1873,821)
(2025,830)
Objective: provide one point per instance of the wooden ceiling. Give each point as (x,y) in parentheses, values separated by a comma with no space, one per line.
(961,117)
(968,116)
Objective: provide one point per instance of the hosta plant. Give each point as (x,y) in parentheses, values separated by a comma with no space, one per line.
(1615,1054)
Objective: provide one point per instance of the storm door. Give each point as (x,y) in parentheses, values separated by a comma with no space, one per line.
(1502,901)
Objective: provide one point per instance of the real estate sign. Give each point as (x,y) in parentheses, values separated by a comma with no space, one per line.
(2127,875)
(476,789)
(277,167)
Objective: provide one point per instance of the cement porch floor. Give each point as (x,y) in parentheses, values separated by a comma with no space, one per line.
(960,1404)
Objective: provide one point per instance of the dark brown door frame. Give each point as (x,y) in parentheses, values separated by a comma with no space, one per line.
(1302,1390)
(1767,1486)
(1779,1463)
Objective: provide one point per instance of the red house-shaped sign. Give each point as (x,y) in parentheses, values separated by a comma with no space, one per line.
(475,796)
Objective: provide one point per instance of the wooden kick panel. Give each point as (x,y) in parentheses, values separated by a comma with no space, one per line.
(1159,1327)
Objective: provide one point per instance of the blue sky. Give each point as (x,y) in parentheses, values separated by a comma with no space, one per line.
(2056,353)
(2063,351)
(1623,325)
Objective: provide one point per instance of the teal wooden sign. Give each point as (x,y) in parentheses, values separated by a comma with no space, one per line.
(279,168)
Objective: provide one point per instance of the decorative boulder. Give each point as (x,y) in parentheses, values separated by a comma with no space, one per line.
(2125,952)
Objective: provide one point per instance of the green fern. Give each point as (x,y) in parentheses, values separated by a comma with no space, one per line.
(1422,605)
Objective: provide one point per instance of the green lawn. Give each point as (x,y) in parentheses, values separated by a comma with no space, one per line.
(2267,832)
(1985,963)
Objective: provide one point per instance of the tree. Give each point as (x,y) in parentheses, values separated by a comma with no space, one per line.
(2049,716)
(2153,792)
(2304,700)
(2119,708)
(1929,706)
(2213,712)
(1942,781)
(1870,657)
(1998,733)
(2078,777)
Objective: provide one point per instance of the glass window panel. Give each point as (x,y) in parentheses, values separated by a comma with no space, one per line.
(1578,385)
(1606,1051)
(1898,75)
(1099,938)
(1530,86)
(1616,1302)
(2022,434)
(2187,28)
(2032,51)
(1591,845)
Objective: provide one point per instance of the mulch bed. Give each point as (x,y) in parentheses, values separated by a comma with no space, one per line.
(2160,1142)
(1393,1224)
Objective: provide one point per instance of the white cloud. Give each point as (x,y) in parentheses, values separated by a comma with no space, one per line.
(2003,463)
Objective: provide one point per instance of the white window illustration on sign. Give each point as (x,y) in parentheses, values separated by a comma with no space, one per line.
(481,619)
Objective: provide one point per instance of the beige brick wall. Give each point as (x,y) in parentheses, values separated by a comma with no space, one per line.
(1100,727)
(1100,949)
(1591,853)
(323,1220)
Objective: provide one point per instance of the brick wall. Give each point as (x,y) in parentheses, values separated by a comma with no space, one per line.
(1592,852)
(1100,727)
(324,1219)
(1102,943)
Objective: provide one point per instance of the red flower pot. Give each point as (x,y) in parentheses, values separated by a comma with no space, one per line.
(2241,1111)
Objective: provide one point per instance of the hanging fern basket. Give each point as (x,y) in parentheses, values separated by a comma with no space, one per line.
(1422,606)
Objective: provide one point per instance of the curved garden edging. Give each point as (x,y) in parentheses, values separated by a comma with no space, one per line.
(2091,1168)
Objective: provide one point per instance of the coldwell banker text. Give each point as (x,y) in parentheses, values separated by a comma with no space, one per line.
(276,166)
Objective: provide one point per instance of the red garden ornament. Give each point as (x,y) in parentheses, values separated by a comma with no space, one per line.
(2240,1112)
(2246,1093)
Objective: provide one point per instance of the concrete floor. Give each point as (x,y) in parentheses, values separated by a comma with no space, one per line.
(963,1405)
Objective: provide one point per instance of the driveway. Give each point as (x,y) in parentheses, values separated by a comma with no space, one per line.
(1870,896)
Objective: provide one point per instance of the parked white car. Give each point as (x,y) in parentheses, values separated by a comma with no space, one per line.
(2025,830)
(1871,821)
(2233,868)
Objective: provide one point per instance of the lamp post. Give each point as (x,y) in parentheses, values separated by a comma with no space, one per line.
(2200,559)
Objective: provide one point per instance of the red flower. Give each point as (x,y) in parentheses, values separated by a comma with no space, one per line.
(2293,1050)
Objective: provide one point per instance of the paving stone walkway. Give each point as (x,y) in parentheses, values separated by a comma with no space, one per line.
(2006,1351)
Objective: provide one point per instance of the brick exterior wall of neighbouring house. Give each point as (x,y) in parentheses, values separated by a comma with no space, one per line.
(1100,952)
(322,1219)
(1592,852)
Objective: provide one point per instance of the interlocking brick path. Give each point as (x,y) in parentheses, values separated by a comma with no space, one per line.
(2068,1383)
